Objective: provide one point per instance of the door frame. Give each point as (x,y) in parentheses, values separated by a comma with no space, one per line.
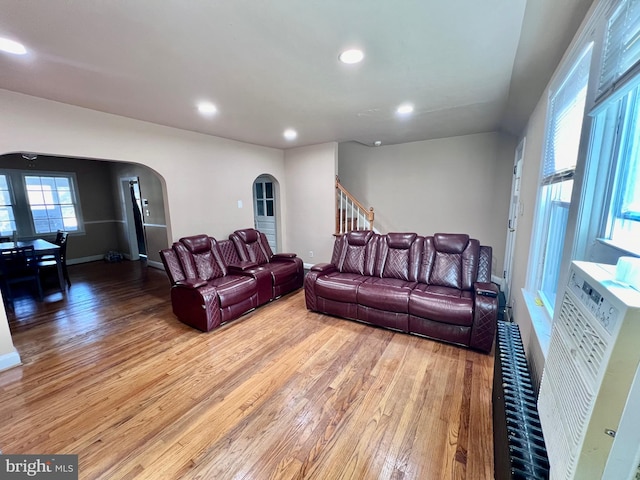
(276,207)
(129,225)
(512,221)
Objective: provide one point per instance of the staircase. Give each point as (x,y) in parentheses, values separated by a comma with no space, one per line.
(350,213)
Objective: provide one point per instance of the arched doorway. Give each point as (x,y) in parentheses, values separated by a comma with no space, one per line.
(265,208)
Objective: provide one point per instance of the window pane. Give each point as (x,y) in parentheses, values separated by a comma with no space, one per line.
(7,220)
(51,199)
(566,113)
(64,196)
(41,226)
(5,198)
(38,213)
(557,201)
(56,224)
(269,208)
(69,224)
(259,190)
(624,213)
(36,197)
(260,205)
(269,188)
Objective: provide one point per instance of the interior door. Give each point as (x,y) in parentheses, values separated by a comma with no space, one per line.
(265,209)
(512,224)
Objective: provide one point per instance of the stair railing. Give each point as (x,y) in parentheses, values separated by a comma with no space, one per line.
(350,213)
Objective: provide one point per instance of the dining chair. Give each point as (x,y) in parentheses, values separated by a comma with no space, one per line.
(18,265)
(48,262)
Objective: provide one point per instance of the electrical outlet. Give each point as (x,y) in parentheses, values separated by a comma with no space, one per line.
(310,253)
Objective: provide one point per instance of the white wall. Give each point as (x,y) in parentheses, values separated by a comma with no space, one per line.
(458,184)
(204,176)
(310,178)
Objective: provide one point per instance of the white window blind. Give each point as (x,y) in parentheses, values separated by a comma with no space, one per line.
(566,116)
(621,53)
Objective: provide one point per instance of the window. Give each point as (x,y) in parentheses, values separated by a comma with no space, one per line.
(7,219)
(52,203)
(562,141)
(623,223)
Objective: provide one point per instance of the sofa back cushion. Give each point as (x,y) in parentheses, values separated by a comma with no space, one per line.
(228,252)
(398,256)
(197,257)
(357,253)
(252,245)
(450,260)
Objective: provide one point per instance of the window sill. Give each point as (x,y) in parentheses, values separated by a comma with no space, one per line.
(617,246)
(540,321)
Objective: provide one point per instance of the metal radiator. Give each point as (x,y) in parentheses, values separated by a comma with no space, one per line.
(518,446)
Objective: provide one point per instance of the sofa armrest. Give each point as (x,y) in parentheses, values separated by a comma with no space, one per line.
(323,267)
(191,283)
(283,256)
(485,316)
(242,267)
(486,289)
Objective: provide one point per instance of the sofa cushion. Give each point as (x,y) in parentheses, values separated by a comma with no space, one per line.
(389,294)
(444,304)
(234,289)
(400,240)
(450,242)
(282,272)
(197,243)
(248,235)
(342,287)
(355,252)
(398,256)
(450,260)
(197,257)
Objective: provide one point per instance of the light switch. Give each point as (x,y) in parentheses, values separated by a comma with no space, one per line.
(239,203)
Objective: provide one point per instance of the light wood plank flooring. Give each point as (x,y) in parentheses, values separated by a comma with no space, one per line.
(281,393)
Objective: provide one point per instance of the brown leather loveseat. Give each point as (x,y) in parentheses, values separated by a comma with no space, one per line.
(436,286)
(213,282)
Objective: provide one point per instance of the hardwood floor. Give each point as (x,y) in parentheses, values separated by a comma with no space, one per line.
(281,393)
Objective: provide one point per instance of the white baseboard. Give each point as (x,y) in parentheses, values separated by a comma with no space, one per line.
(92,258)
(498,281)
(155,264)
(95,258)
(10,360)
(307,266)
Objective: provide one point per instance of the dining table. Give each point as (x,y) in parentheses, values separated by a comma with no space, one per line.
(41,247)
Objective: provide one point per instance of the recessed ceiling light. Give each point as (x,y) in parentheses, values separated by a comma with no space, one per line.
(207,108)
(405,109)
(11,46)
(351,56)
(377,143)
(290,134)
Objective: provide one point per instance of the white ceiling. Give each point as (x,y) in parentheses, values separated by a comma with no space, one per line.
(273,65)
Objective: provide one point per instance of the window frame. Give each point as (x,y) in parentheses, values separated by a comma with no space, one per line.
(541,228)
(620,113)
(48,205)
(10,206)
(25,225)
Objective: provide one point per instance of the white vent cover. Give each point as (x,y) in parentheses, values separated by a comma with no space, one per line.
(592,360)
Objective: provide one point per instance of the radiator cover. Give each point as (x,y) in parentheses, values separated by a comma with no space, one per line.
(518,446)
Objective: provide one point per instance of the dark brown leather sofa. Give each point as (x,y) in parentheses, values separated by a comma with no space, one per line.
(437,286)
(213,282)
